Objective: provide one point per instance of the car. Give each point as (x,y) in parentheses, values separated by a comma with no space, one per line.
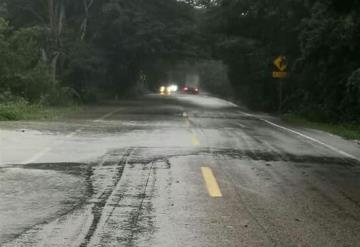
(190,90)
(168,90)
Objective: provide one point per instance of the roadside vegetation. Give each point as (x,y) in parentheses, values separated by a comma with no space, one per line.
(346,130)
(63,53)
(320,40)
(15,111)
(59,54)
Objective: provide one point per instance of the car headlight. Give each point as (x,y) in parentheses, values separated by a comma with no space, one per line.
(173,88)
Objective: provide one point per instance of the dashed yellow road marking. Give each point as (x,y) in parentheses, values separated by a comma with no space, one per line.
(211,183)
(186,119)
(195,141)
(187,122)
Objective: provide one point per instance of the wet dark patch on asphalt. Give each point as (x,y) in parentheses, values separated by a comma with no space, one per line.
(260,155)
(234,117)
(161,157)
(77,169)
(143,211)
(148,155)
(102,200)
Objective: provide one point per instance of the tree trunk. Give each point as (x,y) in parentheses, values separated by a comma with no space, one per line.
(83,29)
(57,11)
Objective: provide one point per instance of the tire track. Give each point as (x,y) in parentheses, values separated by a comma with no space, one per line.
(97,209)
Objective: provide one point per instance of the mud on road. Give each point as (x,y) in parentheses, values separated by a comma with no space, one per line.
(133,178)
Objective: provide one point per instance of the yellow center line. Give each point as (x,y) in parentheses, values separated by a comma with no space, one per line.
(187,122)
(195,141)
(211,183)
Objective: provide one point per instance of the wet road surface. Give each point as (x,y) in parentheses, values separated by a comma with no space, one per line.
(176,171)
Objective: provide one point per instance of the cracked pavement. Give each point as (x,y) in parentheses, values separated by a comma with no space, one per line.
(130,174)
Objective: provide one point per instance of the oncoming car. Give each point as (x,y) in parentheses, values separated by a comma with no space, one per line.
(168,90)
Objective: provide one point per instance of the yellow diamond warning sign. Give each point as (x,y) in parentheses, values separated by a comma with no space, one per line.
(279,74)
(281,63)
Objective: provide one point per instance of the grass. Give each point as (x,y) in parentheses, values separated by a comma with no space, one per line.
(22,111)
(348,131)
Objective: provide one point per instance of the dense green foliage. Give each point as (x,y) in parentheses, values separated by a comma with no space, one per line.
(320,40)
(57,50)
(22,110)
(21,70)
(60,51)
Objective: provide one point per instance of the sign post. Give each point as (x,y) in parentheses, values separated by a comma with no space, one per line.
(281,65)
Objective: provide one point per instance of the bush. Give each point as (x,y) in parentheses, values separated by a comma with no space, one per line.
(316,113)
(351,103)
(23,72)
(60,96)
(8,97)
(14,110)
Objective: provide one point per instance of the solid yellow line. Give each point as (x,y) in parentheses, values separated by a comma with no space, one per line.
(195,141)
(211,184)
(187,122)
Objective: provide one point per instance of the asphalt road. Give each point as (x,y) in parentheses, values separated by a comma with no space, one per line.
(176,171)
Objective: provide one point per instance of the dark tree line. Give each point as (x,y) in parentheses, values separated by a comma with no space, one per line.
(320,38)
(89,47)
(53,50)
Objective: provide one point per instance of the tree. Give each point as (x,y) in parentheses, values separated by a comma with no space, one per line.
(248,36)
(135,35)
(329,62)
(21,70)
